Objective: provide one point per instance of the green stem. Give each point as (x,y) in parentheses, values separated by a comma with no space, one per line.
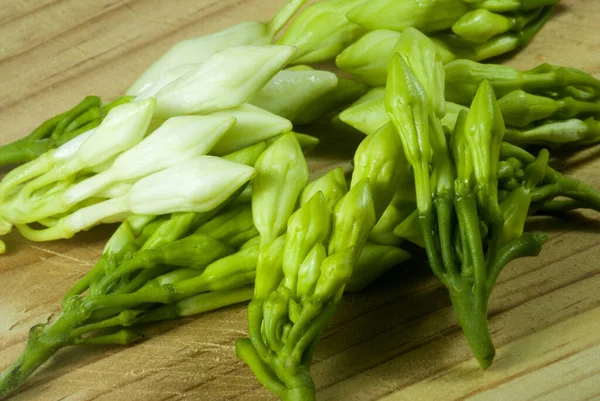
(148,294)
(44,341)
(526,245)
(302,393)
(121,337)
(83,284)
(36,353)
(556,206)
(139,262)
(22,151)
(530,30)
(316,328)
(125,318)
(198,304)
(444,208)
(246,352)
(577,190)
(471,311)
(86,104)
(140,279)
(427,223)
(255,318)
(92,114)
(466,209)
(66,137)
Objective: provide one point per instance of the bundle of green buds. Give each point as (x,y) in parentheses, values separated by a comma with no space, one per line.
(153,268)
(456,186)
(459,29)
(471,206)
(362,34)
(170,266)
(546,106)
(307,257)
(516,169)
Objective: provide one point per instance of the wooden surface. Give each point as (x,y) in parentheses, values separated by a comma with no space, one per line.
(396,341)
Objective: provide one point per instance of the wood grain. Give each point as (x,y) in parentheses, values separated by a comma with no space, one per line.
(398,340)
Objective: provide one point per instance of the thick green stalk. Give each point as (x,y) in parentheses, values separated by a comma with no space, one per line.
(471,311)
(44,341)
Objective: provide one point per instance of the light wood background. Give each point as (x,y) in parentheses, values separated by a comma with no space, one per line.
(396,341)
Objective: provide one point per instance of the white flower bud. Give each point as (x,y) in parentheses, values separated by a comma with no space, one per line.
(253,125)
(123,127)
(197,50)
(227,79)
(197,185)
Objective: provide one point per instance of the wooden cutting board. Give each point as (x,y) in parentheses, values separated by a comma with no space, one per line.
(398,340)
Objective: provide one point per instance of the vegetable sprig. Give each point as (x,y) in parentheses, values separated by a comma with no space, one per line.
(477,34)
(451,212)
(153,268)
(549,105)
(308,257)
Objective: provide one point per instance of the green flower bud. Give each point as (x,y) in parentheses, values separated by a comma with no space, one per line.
(367,114)
(452,112)
(368,59)
(332,185)
(502,6)
(269,270)
(461,151)
(484,130)
(515,207)
(308,226)
(353,219)
(247,156)
(336,270)
(478,26)
(410,230)
(380,159)
(572,132)
(306,142)
(322,31)
(424,60)
(520,109)
(396,213)
(464,76)
(281,174)
(310,270)
(425,15)
(406,105)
